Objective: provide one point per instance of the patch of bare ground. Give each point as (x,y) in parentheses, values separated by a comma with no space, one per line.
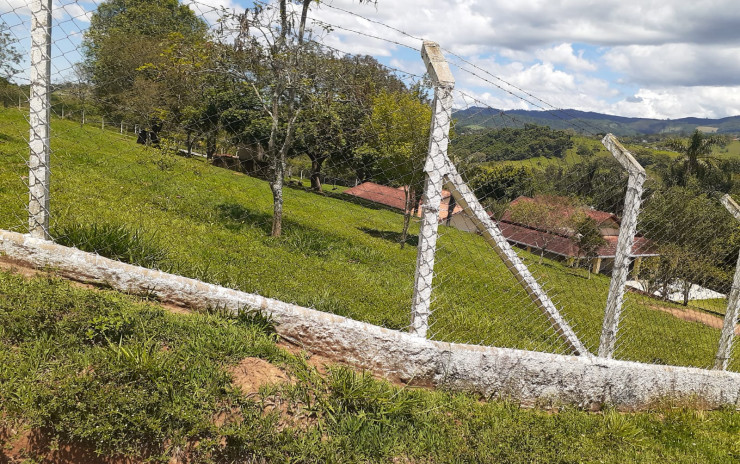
(252,373)
(38,447)
(692,315)
(17,267)
(321,362)
(317,361)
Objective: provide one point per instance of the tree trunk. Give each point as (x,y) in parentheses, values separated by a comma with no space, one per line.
(277,197)
(210,145)
(450,209)
(686,292)
(190,144)
(316,174)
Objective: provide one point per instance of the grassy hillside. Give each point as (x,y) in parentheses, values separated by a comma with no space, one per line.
(85,373)
(190,218)
(590,122)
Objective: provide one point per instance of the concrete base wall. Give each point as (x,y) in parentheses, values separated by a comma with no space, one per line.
(529,377)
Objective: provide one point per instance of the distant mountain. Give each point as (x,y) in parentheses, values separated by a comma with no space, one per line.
(590,122)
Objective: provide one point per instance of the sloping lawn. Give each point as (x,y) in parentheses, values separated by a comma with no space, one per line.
(184,216)
(110,374)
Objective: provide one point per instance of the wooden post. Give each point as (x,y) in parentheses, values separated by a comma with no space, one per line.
(435,169)
(627,230)
(39,118)
(724,351)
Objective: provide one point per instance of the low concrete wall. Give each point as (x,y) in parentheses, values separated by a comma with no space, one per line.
(529,377)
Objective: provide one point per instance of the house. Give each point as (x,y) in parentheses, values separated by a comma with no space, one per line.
(395,197)
(556,241)
(249,159)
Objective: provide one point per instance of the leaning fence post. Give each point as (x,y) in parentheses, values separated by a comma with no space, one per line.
(39,117)
(627,230)
(733,302)
(435,169)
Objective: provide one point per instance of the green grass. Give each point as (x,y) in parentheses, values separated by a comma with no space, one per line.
(121,376)
(732,151)
(335,255)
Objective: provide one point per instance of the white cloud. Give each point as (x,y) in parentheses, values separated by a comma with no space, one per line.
(672,102)
(645,57)
(677,64)
(564,54)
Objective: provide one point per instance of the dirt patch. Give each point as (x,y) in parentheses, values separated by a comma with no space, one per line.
(252,373)
(37,446)
(17,267)
(692,315)
(317,361)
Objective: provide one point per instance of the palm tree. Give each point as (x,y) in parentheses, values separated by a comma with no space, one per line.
(696,153)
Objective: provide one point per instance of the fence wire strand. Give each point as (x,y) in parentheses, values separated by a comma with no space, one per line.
(175,146)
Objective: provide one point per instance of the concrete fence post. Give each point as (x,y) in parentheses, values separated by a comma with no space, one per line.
(39,118)
(469,203)
(626,240)
(727,337)
(435,169)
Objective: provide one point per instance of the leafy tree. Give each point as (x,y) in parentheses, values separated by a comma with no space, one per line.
(399,125)
(125,39)
(342,95)
(547,216)
(696,150)
(9,59)
(698,240)
(9,56)
(502,183)
(516,144)
(587,237)
(599,182)
(697,167)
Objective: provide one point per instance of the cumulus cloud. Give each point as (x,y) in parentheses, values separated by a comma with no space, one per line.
(564,54)
(665,49)
(677,64)
(672,102)
(643,57)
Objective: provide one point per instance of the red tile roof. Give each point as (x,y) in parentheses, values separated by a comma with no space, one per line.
(389,196)
(601,217)
(395,197)
(564,246)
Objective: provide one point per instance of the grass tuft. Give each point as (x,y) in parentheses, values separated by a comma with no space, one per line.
(133,246)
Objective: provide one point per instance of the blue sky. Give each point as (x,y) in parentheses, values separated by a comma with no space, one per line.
(661,59)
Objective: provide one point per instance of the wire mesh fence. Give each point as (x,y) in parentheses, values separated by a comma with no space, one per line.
(246,148)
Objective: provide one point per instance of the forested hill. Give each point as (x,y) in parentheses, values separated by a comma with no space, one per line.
(585,121)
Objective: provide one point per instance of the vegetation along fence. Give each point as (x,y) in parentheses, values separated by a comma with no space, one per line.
(249,150)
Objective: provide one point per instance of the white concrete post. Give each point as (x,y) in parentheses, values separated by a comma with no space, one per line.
(492,234)
(435,169)
(39,118)
(733,302)
(121,127)
(623,258)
